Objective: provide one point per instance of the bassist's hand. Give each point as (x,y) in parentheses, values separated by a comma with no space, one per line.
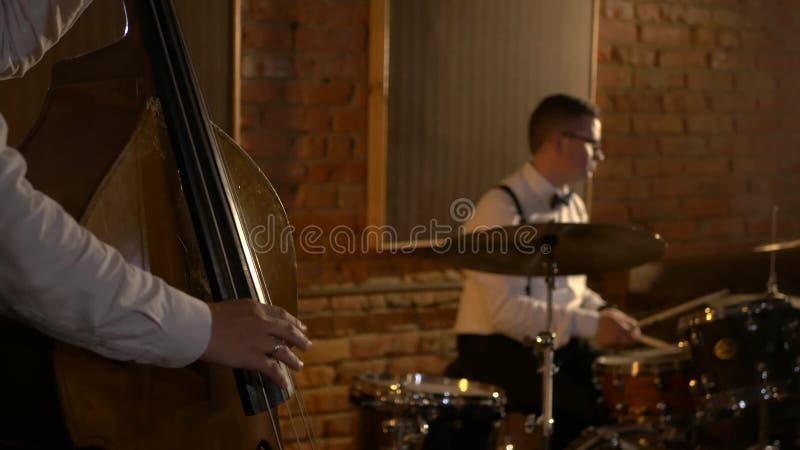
(248,335)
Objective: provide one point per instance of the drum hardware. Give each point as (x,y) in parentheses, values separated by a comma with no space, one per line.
(531,423)
(627,437)
(420,412)
(406,431)
(773,248)
(546,349)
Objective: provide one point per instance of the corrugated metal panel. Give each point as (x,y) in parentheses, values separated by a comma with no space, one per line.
(464,77)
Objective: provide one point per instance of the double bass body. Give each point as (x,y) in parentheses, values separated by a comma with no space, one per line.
(105,148)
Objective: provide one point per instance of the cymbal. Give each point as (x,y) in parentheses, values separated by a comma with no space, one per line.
(777,246)
(577,248)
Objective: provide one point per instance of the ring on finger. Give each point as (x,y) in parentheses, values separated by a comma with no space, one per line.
(275,349)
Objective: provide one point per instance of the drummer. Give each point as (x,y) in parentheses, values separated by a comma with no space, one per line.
(499,313)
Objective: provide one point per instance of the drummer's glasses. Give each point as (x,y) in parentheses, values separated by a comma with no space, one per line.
(597,151)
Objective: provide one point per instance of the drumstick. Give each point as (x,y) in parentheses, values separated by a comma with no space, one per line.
(666,314)
(653,342)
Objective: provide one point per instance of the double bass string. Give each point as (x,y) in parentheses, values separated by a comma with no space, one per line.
(312,439)
(261,291)
(270,416)
(294,430)
(292,385)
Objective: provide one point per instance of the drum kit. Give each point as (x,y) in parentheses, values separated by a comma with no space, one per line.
(732,380)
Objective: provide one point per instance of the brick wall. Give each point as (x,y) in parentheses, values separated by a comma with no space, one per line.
(699,101)
(304,69)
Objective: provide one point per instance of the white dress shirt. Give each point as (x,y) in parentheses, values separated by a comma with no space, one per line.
(492,303)
(58,277)
(54,274)
(28,28)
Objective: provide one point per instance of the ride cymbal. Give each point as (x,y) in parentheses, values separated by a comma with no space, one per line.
(576,248)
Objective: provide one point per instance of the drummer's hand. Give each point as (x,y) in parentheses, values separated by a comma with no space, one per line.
(246,334)
(615,329)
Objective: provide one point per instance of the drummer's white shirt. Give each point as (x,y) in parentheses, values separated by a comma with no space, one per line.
(492,303)
(54,274)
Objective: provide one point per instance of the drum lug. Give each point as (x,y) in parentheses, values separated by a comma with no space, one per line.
(664,413)
(531,423)
(659,382)
(763,373)
(771,393)
(708,383)
(751,324)
(407,432)
(737,406)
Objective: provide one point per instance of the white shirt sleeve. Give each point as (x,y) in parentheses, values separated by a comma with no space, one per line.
(521,317)
(28,28)
(58,277)
(592,300)
(498,303)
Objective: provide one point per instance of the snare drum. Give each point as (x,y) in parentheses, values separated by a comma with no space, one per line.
(424,412)
(742,354)
(645,384)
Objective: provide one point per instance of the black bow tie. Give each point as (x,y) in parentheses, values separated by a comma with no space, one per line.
(560,200)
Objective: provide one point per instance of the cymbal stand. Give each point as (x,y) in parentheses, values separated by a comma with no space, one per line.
(545,346)
(772,282)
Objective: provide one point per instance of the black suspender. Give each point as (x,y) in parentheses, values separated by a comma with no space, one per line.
(514,197)
(522,220)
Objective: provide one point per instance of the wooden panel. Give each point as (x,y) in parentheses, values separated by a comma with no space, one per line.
(378,96)
(208,29)
(464,75)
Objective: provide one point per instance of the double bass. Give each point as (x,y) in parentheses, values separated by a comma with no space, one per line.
(125,145)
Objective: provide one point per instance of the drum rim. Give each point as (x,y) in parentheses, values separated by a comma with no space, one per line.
(681,359)
(711,405)
(716,313)
(398,390)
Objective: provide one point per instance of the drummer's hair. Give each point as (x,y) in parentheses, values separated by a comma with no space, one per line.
(553,112)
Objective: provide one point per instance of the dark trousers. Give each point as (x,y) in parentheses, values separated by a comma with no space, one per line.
(507,364)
